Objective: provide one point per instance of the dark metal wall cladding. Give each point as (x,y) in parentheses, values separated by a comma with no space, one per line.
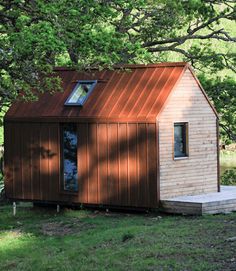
(117,163)
(138,93)
(31,161)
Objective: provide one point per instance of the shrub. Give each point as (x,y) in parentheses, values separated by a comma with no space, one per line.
(229,177)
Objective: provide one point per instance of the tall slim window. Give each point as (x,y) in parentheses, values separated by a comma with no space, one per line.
(180,139)
(69,157)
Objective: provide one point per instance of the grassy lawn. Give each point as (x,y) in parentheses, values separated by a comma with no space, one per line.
(41,239)
(228,159)
(228,167)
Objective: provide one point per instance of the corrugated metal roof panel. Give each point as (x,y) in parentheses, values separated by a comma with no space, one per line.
(133,91)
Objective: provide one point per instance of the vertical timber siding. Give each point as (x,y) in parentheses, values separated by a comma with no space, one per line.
(117,163)
(197,173)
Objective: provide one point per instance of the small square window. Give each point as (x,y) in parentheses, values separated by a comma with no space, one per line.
(180,140)
(80,93)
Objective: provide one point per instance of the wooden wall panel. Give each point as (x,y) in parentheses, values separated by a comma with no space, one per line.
(198,173)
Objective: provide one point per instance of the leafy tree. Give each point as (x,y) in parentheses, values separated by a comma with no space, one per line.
(223,92)
(36,35)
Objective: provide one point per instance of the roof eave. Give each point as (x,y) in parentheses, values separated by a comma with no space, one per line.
(203,91)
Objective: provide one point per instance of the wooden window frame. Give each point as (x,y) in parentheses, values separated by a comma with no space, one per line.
(186,125)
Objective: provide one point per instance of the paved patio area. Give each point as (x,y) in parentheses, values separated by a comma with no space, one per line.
(212,203)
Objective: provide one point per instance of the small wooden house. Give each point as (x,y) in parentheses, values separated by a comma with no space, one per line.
(127,137)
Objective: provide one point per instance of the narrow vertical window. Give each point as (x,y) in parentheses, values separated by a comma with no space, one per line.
(180,140)
(69,158)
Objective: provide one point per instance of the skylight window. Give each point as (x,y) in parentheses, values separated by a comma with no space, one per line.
(81,92)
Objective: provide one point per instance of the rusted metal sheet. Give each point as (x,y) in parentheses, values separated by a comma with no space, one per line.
(117,138)
(133,92)
(124,167)
(32,161)
(117,163)
(113,169)
(118,145)
(35,159)
(103,162)
(17,161)
(8,157)
(83,174)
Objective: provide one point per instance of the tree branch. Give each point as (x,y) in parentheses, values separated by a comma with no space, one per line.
(228,131)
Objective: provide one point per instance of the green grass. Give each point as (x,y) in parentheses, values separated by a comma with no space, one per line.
(41,239)
(228,167)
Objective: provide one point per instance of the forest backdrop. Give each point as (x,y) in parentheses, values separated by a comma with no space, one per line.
(37,35)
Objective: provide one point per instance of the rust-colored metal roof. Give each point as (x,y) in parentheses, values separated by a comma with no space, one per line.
(130,92)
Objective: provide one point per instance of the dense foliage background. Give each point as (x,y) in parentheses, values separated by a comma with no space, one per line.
(36,35)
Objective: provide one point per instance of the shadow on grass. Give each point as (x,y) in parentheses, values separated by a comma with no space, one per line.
(41,239)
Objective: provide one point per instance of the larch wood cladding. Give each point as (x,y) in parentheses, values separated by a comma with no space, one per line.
(197,173)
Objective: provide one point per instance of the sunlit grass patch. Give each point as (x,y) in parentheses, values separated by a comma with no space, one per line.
(228,158)
(228,167)
(96,240)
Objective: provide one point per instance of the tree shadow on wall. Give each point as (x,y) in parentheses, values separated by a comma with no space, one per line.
(117,165)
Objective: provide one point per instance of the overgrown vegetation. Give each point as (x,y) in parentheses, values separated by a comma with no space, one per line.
(2,113)
(229,177)
(1,173)
(222,90)
(228,167)
(1,186)
(88,240)
(227,159)
(37,35)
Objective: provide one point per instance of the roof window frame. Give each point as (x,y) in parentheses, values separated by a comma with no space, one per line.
(80,82)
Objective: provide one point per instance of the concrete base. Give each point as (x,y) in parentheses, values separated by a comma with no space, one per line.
(212,203)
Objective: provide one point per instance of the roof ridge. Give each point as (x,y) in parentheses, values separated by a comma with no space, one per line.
(132,66)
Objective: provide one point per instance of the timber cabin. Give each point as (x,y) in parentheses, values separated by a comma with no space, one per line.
(127,137)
